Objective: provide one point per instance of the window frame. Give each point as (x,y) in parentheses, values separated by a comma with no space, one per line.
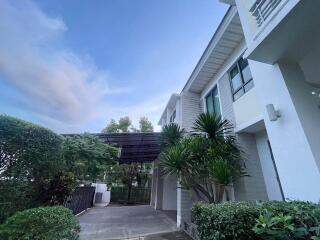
(215,87)
(244,84)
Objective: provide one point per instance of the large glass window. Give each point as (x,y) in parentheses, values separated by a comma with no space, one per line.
(240,78)
(213,102)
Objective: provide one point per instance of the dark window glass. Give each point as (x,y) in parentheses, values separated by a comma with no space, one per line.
(213,102)
(240,78)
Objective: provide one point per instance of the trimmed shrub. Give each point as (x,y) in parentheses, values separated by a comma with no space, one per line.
(268,220)
(43,223)
(229,221)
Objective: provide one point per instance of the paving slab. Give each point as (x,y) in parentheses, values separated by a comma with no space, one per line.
(124,223)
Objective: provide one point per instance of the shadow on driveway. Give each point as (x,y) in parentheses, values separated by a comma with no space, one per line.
(125,223)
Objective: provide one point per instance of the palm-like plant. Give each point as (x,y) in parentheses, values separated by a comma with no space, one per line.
(207,164)
(213,125)
(171,134)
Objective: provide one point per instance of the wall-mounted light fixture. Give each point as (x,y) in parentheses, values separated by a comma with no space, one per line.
(272,112)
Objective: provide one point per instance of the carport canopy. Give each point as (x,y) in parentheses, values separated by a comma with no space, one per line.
(135,147)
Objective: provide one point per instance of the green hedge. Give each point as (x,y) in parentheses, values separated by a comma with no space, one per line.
(268,220)
(230,220)
(43,223)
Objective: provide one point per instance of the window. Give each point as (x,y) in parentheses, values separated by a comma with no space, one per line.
(213,102)
(240,78)
(173,117)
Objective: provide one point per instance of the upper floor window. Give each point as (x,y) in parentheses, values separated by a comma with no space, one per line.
(213,102)
(173,117)
(240,78)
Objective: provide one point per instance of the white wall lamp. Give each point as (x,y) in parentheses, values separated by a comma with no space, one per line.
(272,113)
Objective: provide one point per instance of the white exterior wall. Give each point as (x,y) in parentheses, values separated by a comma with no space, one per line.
(268,169)
(169,201)
(191,108)
(297,167)
(184,205)
(247,110)
(254,34)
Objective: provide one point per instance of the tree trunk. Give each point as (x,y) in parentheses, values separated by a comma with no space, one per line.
(220,192)
(129,192)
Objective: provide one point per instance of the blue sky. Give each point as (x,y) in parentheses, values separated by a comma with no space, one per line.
(73,65)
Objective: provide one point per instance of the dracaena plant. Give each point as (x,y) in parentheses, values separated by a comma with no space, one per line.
(207,163)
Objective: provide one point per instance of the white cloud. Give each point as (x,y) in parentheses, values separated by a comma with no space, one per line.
(54,81)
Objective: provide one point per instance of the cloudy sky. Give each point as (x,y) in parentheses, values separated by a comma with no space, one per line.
(73,65)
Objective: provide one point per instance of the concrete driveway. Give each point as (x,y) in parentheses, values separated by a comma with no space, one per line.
(124,222)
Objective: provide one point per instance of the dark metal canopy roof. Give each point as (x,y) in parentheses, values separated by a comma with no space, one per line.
(135,147)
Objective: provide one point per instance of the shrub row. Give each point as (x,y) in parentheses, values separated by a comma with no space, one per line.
(43,223)
(248,221)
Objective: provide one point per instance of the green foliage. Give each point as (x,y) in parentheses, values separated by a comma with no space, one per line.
(28,151)
(268,220)
(145,125)
(173,160)
(213,125)
(15,195)
(43,223)
(124,125)
(56,191)
(171,135)
(225,221)
(288,220)
(112,127)
(127,175)
(206,164)
(87,157)
(39,167)
(30,156)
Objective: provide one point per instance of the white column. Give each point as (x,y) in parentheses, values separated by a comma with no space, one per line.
(284,86)
(184,205)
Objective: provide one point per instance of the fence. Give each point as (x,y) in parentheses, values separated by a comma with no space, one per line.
(138,195)
(81,199)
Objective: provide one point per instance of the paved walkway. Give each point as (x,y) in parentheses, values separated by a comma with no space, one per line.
(125,223)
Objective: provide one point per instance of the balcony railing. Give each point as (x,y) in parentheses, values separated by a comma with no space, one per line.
(261,9)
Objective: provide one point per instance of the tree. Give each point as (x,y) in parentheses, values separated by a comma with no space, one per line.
(208,163)
(28,151)
(30,157)
(145,125)
(124,125)
(128,175)
(87,156)
(112,127)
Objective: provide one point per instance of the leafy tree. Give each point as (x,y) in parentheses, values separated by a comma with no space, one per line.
(30,156)
(28,151)
(206,163)
(145,125)
(124,125)
(87,156)
(128,175)
(112,127)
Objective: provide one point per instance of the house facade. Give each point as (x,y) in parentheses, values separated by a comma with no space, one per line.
(260,71)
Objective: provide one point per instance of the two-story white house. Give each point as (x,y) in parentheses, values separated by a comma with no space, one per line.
(260,71)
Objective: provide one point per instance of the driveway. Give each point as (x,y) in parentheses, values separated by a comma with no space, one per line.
(126,222)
